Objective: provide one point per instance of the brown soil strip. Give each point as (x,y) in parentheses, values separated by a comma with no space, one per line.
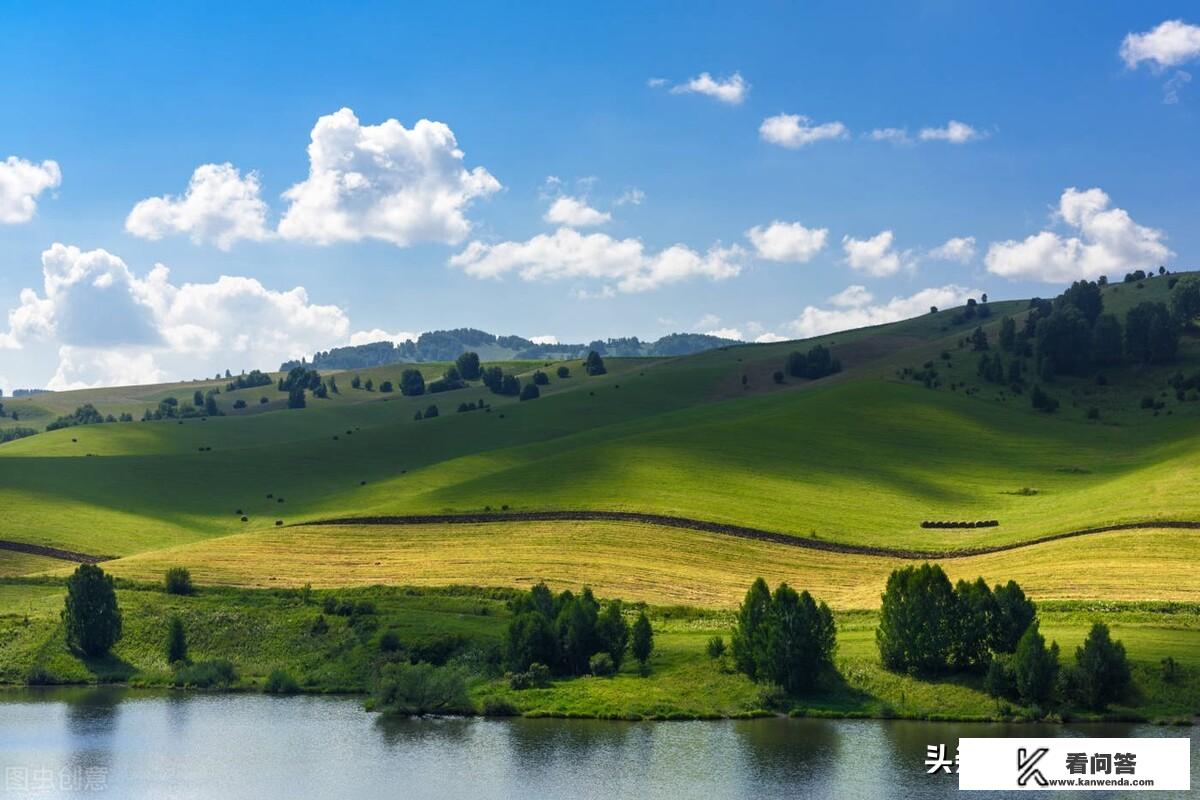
(51,552)
(731,530)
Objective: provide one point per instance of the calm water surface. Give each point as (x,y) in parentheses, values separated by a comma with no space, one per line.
(115,743)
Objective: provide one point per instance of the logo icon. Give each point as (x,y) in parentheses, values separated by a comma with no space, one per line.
(1027,766)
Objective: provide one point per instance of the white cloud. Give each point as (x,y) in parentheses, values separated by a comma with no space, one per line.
(731,90)
(545,339)
(959,248)
(769,338)
(568,254)
(1172,43)
(896,135)
(219,207)
(1173,85)
(707,321)
(380,335)
(655,83)
(575,213)
(21,182)
(794,131)
(854,296)
(876,256)
(632,196)
(815,321)
(1107,240)
(725,333)
(110,326)
(383,182)
(787,241)
(954,132)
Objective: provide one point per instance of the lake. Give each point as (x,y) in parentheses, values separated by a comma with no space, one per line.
(120,743)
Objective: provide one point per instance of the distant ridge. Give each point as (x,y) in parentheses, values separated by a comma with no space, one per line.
(448,345)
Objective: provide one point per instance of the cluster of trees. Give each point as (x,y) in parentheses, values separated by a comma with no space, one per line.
(816,363)
(297,381)
(430,412)
(570,634)
(972,311)
(787,638)
(249,380)
(929,627)
(451,379)
(11,434)
(85,414)
(495,379)
(472,406)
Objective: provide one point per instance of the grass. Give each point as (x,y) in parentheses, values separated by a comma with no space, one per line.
(262,631)
(659,565)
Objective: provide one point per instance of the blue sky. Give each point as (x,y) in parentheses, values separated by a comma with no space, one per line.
(128,102)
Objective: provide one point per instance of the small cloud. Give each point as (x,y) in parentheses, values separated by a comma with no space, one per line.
(794,131)
(731,90)
(1171,88)
(575,213)
(725,333)
(545,339)
(787,241)
(707,321)
(954,132)
(876,256)
(1172,43)
(852,297)
(21,182)
(633,196)
(769,338)
(655,83)
(960,249)
(894,135)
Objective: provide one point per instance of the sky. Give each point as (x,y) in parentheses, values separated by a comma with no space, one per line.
(192,187)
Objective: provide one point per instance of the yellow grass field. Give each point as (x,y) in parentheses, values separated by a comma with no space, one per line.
(659,565)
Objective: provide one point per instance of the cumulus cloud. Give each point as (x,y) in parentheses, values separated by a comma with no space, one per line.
(895,135)
(853,296)
(21,182)
(794,131)
(1172,43)
(219,207)
(575,213)
(1105,240)
(787,241)
(109,326)
(959,248)
(380,335)
(569,254)
(544,339)
(954,132)
(384,182)
(769,338)
(725,333)
(876,256)
(731,90)
(815,321)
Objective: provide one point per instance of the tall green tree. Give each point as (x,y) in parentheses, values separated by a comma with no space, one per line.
(1101,669)
(749,641)
(800,640)
(412,383)
(1035,667)
(613,632)
(594,364)
(91,615)
(1107,338)
(1151,335)
(643,640)
(916,627)
(177,649)
(468,366)
(1012,614)
(976,608)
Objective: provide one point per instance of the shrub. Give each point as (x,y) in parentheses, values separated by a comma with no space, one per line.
(385,387)
(389,642)
(563,372)
(715,647)
(536,677)
(530,391)
(500,707)
(280,681)
(816,363)
(1101,669)
(601,665)
(330,604)
(218,673)
(178,581)
(177,649)
(90,614)
(411,689)
(431,412)
(540,378)
(1170,670)
(1042,401)
(777,376)
(319,627)
(239,404)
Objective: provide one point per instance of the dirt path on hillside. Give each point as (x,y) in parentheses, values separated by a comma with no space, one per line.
(732,530)
(51,552)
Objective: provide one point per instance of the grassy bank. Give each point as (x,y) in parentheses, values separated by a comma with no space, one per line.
(262,630)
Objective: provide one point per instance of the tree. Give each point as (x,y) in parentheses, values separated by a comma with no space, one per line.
(976,607)
(510,385)
(1151,336)
(613,633)
(576,625)
(178,581)
(492,377)
(1185,302)
(816,363)
(643,640)
(530,391)
(594,364)
(1008,334)
(800,640)
(91,615)
(563,372)
(468,366)
(979,340)
(915,632)
(1013,613)
(1042,401)
(355,382)
(531,640)
(198,398)
(540,378)
(1106,340)
(412,383)
(1065,339)
(177,649)
(369,385)
(210,405)
(385,387)
(1035,667)
(1083,296)
(749,639)
(431,412)
(296,397)
(1101,669)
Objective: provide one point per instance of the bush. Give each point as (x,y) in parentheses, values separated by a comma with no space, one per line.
(178,581)
(777,376)
(1101,669)
(715,647)
(412,383)
(530,391)
(563,372)
(389,642)
(1042,401)
(90,614)
(500,707)
(1170,670)
(540,378)
(437,649)
(536,677)
(1000,681)
(177,649)
(601,665)
(218,673)
(319,627)
(280,682)
(411,689)
(239,404)
(431,412)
